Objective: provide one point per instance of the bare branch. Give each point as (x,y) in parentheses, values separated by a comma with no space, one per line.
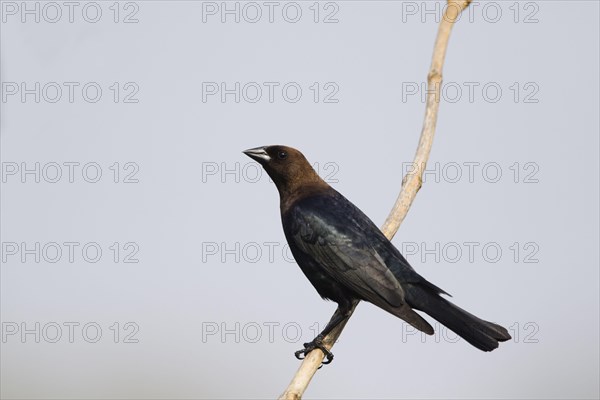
(410,184)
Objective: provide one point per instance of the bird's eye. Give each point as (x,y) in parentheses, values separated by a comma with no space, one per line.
(282,155)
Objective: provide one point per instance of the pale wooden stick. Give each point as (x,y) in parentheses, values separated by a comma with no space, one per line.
(410,185)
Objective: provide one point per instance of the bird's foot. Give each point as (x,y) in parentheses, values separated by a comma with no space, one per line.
(317,343)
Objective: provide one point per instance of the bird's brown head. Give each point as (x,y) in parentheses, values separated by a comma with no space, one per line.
(287,167)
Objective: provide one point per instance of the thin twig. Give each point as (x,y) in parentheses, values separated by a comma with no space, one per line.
(410,185)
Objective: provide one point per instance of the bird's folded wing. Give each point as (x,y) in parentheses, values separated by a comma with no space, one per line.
(340,249)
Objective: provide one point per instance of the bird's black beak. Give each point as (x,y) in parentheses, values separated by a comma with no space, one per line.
(259,154)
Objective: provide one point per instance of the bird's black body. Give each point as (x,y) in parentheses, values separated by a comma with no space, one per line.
(347,258)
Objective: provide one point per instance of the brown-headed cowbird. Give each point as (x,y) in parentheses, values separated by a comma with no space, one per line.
(347,258)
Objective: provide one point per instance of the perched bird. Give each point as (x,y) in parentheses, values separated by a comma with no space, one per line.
(347,258)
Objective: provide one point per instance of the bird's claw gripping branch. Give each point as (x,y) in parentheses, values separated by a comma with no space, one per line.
(317,343)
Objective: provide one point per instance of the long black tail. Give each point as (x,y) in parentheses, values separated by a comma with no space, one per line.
(482,334)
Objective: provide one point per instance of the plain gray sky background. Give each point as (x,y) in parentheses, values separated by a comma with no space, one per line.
(180,291)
